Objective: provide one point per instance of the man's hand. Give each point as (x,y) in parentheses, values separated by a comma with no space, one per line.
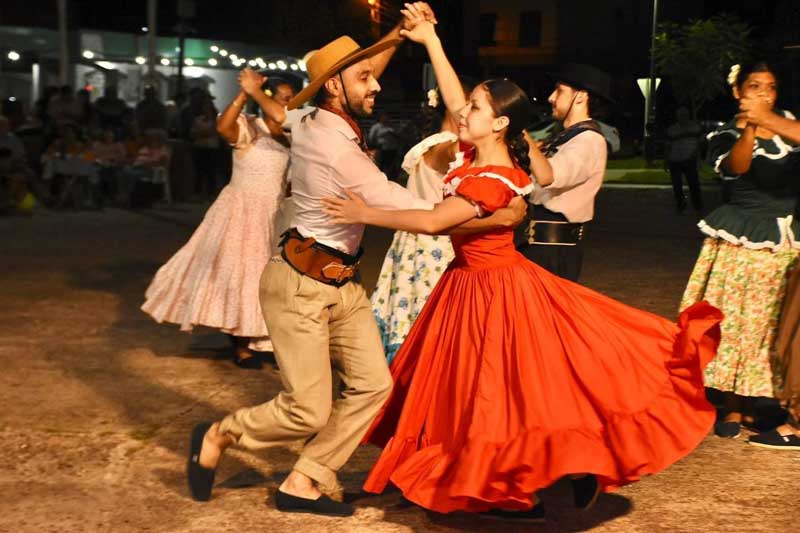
(755,111)
(533,143)
(514,213)
(416,12)
(251,81)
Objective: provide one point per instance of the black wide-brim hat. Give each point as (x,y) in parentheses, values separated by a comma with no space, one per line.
(586,78)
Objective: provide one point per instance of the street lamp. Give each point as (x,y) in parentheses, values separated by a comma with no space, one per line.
(650,100)
(13,56)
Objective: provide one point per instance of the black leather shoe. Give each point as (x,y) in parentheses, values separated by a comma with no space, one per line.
(322,505)
(776,441)
(533,515)
(200,478)
(585,491)
(727,430)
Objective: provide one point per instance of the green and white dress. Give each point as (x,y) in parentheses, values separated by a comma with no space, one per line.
(414,263)
(750,251)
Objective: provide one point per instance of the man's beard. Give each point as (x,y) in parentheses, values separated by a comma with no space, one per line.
(359,110)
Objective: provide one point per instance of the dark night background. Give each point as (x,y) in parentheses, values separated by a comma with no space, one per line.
(613,34)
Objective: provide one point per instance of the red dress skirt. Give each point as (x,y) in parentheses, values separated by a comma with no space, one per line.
(512,378)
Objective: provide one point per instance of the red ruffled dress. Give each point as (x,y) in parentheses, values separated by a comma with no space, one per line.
(512,378)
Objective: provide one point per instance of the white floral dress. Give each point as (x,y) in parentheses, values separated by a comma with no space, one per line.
(414,263)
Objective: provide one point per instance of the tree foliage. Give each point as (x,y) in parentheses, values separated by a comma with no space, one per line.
(698,55)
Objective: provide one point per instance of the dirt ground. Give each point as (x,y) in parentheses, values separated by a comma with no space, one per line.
(100,399)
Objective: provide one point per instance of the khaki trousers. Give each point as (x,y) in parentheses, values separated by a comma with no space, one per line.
(314,326)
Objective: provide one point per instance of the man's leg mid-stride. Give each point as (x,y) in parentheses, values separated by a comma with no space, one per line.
(311,325)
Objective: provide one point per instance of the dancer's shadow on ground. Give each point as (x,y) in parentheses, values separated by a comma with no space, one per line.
(561,517)
(158,415)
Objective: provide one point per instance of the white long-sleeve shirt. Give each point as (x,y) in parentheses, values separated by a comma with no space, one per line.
(325,161)
(578,170)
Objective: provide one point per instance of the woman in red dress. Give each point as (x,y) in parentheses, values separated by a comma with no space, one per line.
(511,377)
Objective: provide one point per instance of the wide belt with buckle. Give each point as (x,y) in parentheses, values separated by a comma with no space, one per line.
(554,233)
(317,261)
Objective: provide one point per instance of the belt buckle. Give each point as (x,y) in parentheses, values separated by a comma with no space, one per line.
(344,271)
(531,231)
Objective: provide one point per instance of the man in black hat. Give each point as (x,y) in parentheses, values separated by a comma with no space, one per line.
(568,171)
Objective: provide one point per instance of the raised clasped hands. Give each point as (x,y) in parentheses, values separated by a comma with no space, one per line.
(754,110)
(416,12)
(251,81)
(418,22)
(346,211)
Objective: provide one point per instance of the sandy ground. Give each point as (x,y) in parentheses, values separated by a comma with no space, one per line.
(99,400)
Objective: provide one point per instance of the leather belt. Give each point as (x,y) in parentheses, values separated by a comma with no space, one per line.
(317,261)
(554,233)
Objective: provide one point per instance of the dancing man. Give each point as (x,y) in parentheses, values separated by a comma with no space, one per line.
(569,171)
(317,314)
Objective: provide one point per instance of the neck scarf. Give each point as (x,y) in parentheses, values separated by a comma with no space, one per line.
(350,122)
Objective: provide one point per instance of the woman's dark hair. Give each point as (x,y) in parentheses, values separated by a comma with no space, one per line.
(751,68)
(508,100)
(429,119)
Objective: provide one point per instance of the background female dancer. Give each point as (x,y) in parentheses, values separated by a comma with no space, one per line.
(213,280)
(751,244)
(414,263)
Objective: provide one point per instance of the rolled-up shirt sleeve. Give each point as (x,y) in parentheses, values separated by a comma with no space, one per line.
(356,171)
(574,160)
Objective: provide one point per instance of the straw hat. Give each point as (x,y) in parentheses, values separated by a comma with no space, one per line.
(332,58)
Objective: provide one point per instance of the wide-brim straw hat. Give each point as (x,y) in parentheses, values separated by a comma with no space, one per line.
(332,58)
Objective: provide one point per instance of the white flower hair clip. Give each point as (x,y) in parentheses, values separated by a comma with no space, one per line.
(433,98)
(733,74)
